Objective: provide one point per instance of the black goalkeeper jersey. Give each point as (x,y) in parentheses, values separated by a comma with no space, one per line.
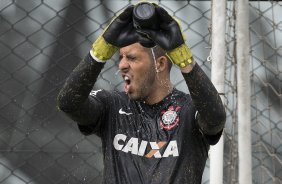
(146,144)
(149,144)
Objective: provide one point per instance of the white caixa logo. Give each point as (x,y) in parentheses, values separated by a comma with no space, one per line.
(138,147)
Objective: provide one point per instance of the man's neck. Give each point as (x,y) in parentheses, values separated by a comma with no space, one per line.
(160,92)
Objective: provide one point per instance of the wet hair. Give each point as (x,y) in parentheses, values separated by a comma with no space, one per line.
(158,51)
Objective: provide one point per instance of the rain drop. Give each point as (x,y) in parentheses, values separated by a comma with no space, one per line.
(117,72)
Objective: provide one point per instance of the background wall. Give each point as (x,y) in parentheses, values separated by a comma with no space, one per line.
(41,41)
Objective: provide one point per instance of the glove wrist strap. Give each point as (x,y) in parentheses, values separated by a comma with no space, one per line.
(103,50)
(181,56)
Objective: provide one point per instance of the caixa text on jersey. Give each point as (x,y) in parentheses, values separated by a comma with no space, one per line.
(138,147)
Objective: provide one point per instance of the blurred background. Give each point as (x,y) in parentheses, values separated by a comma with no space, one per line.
(41,41)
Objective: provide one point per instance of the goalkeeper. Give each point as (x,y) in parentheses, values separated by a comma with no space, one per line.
(151,132)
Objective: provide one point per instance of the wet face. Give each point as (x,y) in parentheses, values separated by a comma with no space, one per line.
(138,72)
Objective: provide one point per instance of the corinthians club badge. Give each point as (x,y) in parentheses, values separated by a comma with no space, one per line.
(170,117)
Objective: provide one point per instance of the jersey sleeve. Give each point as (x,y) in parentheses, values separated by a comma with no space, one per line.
(75,97)
(211,113)
(93,115)
(210,139)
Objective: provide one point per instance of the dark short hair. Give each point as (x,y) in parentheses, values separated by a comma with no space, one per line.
(158,51)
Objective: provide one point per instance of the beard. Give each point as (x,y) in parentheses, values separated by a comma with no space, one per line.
(144,85)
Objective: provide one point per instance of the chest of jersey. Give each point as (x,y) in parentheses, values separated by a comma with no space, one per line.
(151,132)
(144,144)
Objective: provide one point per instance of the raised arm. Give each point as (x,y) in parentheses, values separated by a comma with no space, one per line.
(211,117)
(73,98)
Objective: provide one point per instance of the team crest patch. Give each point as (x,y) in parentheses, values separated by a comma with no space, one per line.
(170,117)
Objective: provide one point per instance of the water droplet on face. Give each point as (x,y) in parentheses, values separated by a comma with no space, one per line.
(117,72)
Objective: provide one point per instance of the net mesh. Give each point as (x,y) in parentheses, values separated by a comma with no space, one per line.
(42,41)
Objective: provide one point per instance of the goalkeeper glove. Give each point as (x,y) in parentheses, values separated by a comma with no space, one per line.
(170,38)
(119,33)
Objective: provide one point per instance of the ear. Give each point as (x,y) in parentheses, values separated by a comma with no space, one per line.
(162,64)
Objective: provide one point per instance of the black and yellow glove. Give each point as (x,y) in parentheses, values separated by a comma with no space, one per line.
(170,38)
(119,33)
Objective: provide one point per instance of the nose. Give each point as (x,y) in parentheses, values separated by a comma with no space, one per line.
(123,64)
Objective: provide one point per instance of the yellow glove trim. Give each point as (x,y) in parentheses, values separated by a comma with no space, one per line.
(181,56)
(103,50)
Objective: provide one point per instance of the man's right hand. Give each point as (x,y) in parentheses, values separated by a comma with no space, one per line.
(119,33)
